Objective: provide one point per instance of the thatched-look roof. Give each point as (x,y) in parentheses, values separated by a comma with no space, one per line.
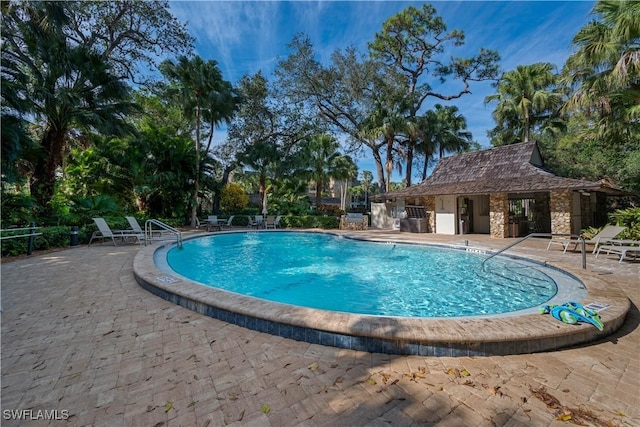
(516,168)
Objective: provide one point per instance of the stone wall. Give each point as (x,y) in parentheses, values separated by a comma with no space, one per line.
(499,215)
(560,204)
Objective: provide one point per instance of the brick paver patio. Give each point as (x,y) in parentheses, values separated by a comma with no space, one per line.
(81,340)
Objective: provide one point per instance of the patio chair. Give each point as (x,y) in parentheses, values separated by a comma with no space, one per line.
(621,249)
(276,223)
(105,232)
(212,221)
(607,234)
(270,222)
(226,224)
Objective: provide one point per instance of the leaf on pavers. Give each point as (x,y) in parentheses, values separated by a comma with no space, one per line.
(469,383)
(150,408)
(286,364)
(334,365)
(619,412)
(233,395)
(193,403)
(241,415)
(493,390)
(168,406)
(195,377)
(465,373)
(549,400)
(566,390)
(325,389)
(161,423)
(372,381)
(313,367)
(385,376)
(564,416)
(266,409)
(338,380)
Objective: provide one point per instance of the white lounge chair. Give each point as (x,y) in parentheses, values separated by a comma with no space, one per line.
(105,232)
(621,249)
(133,223)
(607,234)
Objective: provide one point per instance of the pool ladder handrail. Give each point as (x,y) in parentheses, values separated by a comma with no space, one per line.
(148,231)
(580,240)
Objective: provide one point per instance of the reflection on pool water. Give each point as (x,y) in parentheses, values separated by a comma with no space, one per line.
(330,272)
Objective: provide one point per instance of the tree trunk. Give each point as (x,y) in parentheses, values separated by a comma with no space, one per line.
(43,180)
(389,163)
(410,146)
(196,181)
(225,180)
(379,169)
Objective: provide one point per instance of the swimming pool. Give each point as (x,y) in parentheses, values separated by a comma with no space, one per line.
(516,332)
(330,272)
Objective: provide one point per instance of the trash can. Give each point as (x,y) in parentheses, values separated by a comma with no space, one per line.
(74,236)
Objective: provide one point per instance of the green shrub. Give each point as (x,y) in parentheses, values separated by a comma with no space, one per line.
(629,218)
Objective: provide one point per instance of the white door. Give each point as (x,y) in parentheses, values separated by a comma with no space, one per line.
(446,214)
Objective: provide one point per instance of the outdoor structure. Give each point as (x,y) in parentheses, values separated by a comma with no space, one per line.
(505,192)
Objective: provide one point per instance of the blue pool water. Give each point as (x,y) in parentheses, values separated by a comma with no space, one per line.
(334,273)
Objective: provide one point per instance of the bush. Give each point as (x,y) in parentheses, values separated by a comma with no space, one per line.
(629,218)
(331,210)
(233,199)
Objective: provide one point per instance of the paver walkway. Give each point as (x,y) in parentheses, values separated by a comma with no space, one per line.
(81,340)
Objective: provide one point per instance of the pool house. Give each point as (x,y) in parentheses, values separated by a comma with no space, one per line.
(503,191)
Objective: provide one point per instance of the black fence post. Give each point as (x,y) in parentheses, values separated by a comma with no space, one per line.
(32,230)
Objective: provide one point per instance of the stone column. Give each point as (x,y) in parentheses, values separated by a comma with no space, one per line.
(430,204)
(561,204)
(499,215)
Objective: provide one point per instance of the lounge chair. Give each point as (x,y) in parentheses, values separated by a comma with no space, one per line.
(277,221)
(105,232)
(133,223)
(607,234)
(621,249)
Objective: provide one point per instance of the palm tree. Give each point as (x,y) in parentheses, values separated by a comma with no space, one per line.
(606,65)
(452,136)
(200,89)
(345,171)
(321,152)
(69,89)
(527,93)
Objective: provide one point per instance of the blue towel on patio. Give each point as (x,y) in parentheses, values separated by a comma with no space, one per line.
(573,313)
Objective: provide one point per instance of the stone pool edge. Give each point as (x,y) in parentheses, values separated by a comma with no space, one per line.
(393,335)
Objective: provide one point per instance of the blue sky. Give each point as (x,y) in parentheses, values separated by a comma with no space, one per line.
(247,36)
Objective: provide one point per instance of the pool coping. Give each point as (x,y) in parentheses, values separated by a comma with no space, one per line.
(484,336)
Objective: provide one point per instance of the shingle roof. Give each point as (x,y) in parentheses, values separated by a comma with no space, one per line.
(516,168)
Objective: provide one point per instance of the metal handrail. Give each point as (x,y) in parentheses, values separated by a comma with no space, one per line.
(580,240)
(13,236)
(31,235)
(148,231)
